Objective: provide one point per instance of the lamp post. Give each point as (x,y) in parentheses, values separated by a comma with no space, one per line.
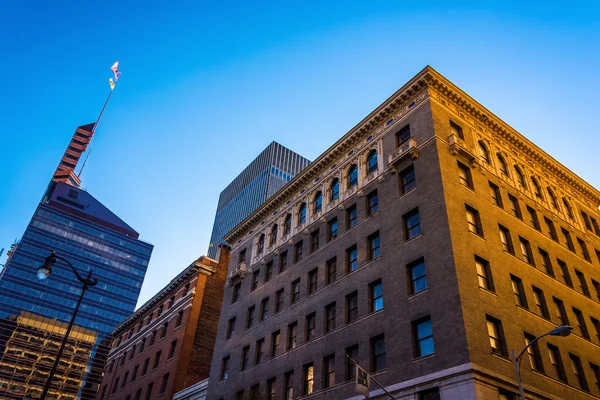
(44,272)
(563,331)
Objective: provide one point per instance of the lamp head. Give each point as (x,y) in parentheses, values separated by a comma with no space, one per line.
(563,331)
(45,270)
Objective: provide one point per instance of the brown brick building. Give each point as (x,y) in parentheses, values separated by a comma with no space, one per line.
(427,243)
(167,344)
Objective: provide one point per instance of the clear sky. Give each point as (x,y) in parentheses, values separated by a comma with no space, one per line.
(207,85)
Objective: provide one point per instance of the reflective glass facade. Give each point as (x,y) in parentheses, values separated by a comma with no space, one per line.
(268,173)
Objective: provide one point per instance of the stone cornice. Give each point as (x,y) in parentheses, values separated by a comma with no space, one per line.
(436,84)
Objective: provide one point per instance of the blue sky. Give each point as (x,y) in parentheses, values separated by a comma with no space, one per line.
(206,86)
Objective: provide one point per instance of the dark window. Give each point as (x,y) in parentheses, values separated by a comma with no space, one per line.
(568,240)
(533,218)
(455,129)
(502,166)
(179,319)
(586,221)
(430,394)
(533,353)
(275,338)
(254,392)
(268,271)
(279,300)
(329,371)
(273,239)
(417,276)
(483,152)
(258,351)
(496,335)
(245,358)
(255,277)
(242,256)
(578,372)
(423,337)
(283,261)
(288,393)
(295,291)
(559,312)
(353,176)
(309,379)
(352,307)
(378,353)
(551,230)
(584,250)
(473,221)
(351,353)
(298,252)
(330,317)
(557,363)
(114,388)
(403,135)
(372,162)
(351,216)
(331,270)
(352,258)
(374,246)
(583,287)
(292,334)
(302,214)
(520,178)
(135,371)
(596,287)
(311,321)
(496,195)
(519,292)
(156,360)
(287,224)
(261,245)
(407,179)
(540,302)
(526,251)
(163,333)
(149,390)
(145,367)
(515,208)
(484,274)
(172,349)
(564,273)
(224,368)
(318,203)
(132,353)
(235,294)
(546,262)
(250,317)
(568,208)
(376,295)
(332,229)
(335,189)
(312,281)
(271,391)
(125,379)
(464,175)
(264,309)
(580,326)
(596,371)
(372,203)
(596,327)
(537,191)
(314,241)
(412,224)
(506,240)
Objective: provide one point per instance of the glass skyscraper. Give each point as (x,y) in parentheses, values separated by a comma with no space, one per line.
(71,222)
(263,177)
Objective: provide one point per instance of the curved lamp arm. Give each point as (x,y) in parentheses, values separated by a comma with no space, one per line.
(87,281)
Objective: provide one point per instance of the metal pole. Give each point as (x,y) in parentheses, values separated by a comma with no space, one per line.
(373,379)
(518,373)
(62,346)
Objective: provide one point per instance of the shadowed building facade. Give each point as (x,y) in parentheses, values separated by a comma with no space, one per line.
(264,176)
(426,243)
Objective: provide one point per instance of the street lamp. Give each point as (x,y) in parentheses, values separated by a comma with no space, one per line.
(562,331)
(43,273)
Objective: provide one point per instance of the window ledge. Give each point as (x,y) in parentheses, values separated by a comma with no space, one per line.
(407,193)
(477,235)
(412,296)
(412,239)
(501,357)
(422,358)
(488,291)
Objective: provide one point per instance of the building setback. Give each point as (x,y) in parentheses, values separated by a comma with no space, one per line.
(167,344)
(426,243)
(264,176)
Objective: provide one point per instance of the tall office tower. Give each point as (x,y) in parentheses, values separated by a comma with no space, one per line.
(426,244)
(78,227)
(268,173)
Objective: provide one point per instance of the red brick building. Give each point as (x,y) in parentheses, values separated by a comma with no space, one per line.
(167,344)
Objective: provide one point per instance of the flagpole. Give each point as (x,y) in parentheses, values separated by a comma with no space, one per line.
(373,379)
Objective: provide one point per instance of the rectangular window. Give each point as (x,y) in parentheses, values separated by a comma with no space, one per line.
(583,287)
(596,372)
(295,291)
(423,337)
(309,379)
(374,246)
(515,208)
(242,256)
(250,317)
(496,335)
(567,236)
(565,276)
(311,321)
(596,329)
(372,203)
(331,270)
(519,292)
(402,136)
(235,294)
(275,338)
(179,319)
(376,295)
(245,358)
(255,277)
(533,219)
(125,379)
(407,179)
(417,276)
(526,251)
(578,372)
(283,261)
(595,225)
(550,229)
(464,175)
(332,229)
(135,371)
(412,224)
(289,386)
(584,250)
(279,300)
(224,368)
(264,309)
(473,221)
(352,258)
(455,129)
(352,307)
(351,216)
(546,262)
(298,252)
(172,349)
(378,353)
(586,221)
(292,334)
(596,287)
(156,360)
(351,353)
(330,317)
(533,353)
(271,390)
(268,271)
(230,328)
(484,274)
(145,367)
(149,390)
(314,241)
(329,371)
(432,394)
(259,351)
(312,281)
(496,195)
(540,302)
(580,326)
(559,312)
(115,387)
(557,364)
(506,240)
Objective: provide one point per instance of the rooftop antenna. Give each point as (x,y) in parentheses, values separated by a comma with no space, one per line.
(112,83)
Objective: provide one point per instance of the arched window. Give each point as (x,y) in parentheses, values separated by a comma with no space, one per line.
(485,156)
(537,191)
(352,176)
(568,208)
(287,224)
(553,200)
(502,164)
(372,161)
(335,189)
(273,238)
(520,177)
(318,202)
(261,245)
(302,214)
